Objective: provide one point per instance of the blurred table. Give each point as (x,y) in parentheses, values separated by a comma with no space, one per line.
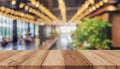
(49,43)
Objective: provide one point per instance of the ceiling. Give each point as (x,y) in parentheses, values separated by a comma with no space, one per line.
(71,6)
(52,5)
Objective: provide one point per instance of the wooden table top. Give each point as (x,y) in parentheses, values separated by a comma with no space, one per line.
(56,59)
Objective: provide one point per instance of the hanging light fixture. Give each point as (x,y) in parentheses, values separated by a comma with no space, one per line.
(111,8)
(26,8)
(97,5)
(94,8)
(100,3)
(37,4)
(43,9)
(2,8)
(105,1)
(92,2)
(22,14)
(21,5)
(62,8)
(13,2)
(80,11)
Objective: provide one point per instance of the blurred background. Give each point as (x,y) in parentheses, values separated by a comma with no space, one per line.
(59,24)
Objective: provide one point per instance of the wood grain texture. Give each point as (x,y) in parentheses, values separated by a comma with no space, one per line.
(7,54)
(11,63)
(54,60)
(109,57)
(34,61)
(114,53)
(75,60)
(57,59)
(97,61)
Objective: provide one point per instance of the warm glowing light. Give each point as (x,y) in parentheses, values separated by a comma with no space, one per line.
(44,10)
(87,4)
(39,14)
(7,10)
(2,8)
(88,11)
(112,8)
(80,11)
(91,1)
(105,1)
(37,4)
(26,8)
(33,2)
(61,1)
(97,5)
(94,8)
(13,12)
(22,14)
(100,3)
(13,2)
(47,12)
(62,8)
(21,5)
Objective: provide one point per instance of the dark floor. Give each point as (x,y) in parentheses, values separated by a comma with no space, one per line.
(61,44)
(11,46)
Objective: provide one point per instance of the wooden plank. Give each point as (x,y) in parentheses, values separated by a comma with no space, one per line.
(97,61)
(7,54)
(112,52)
(43,59)
(12,62)
(2,51)
(54,60)
(34,61)
(75,60)
(109,57)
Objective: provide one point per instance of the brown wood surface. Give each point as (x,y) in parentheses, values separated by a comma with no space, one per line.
(34,61)
(98,62)
(58,59)
(115,30)
(54,60)
(73,59)
(49,43)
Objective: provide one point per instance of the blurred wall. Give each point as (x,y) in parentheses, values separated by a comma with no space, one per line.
(104,16)
(116,30)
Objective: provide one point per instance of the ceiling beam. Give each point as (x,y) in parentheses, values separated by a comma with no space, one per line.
(62,7)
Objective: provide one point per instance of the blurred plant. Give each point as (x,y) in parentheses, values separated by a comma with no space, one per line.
(94,32)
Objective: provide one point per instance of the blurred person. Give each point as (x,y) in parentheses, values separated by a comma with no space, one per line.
(21,40)
(8,40)
(28,39)
(4,42)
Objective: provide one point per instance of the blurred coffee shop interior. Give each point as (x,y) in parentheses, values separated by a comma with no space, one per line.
(59,24)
